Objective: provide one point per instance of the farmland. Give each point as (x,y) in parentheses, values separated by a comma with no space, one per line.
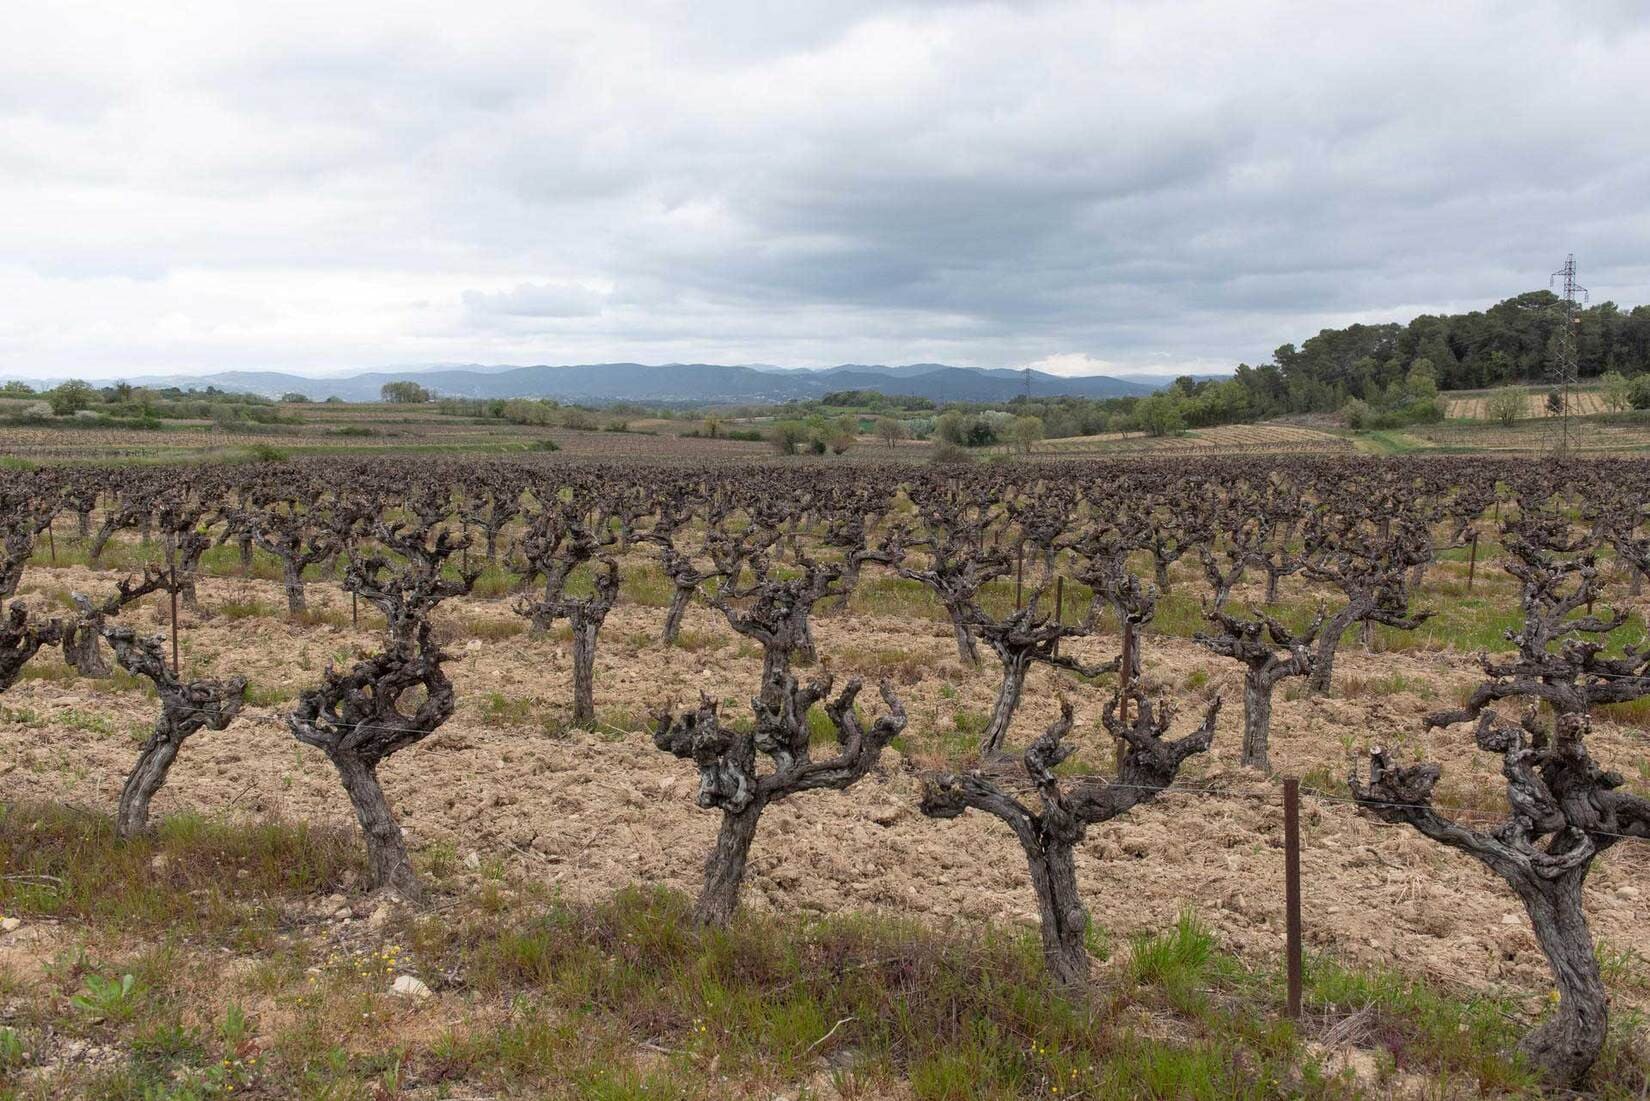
(683,777)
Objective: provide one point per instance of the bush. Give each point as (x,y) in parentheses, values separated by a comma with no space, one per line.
(71,397)
(263,453)
(1615,391)
(947,453)
(1505,404)
(1639,393)
(788,437)
(403,393)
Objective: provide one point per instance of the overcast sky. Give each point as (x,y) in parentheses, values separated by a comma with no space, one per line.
(1091,187)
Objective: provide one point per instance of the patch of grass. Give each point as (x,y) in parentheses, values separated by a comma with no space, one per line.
(247,608)
(1351,687)
(697,641)
(270,695)
(90,721)
(499,709)
(488,629)
(1422,1028)
(68,864)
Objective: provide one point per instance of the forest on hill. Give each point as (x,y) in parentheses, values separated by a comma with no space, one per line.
(1513,341)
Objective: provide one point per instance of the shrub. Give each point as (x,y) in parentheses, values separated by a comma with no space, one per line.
(1505,404)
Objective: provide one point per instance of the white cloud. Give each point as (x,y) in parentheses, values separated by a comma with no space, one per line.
(1154,187)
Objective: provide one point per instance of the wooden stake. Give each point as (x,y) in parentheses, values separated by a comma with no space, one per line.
(51,541)
(1292,888)
(1472,561)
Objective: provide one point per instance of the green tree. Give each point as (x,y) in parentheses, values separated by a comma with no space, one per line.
(788,437)
(1025,432)
(841,434)
(71,397)
(890,430)
(16,389)
(403,393)
(951,427)
(1505,404)
(1615,391)
(292,397)
(1159,414)
(1640,392)
(1422,381)
(712,425)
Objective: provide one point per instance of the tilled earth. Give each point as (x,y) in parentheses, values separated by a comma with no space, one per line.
(593,812)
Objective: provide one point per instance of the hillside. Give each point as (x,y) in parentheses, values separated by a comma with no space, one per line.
(674,383)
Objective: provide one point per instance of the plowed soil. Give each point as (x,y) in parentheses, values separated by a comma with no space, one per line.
(592,812)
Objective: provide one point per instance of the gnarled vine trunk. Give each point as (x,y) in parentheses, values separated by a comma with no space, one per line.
(725,867)
(388,865)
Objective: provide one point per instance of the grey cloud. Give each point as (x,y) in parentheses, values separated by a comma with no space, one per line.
(1148,184)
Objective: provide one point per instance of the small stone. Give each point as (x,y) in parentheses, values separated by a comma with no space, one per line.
(472,861)
(10,924)
(1627,892)
(887,814)
(1509,919)
(158,864)
(409,986)
(380,917)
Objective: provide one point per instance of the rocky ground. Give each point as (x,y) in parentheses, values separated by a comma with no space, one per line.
(591,812)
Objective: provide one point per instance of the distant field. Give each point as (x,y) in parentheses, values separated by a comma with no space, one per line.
(1232,439)
(1474,405)
(354,429)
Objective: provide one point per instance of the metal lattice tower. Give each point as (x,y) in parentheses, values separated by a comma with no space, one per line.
(1562,367)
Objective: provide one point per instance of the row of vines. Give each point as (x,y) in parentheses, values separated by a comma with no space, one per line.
(1087,546)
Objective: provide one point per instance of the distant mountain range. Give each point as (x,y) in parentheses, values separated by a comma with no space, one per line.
(674,383)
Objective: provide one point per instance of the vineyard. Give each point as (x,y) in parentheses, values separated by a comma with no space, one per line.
(1230,439)
(1475,406)
(465,776)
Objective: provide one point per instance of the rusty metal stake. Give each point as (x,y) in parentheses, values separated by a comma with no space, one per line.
(173,586)
(1292,888)
(1059,610)
(1125,677)
(1019,575)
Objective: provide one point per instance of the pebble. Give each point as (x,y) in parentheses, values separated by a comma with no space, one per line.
(887,814)
(10,924)
(409,986)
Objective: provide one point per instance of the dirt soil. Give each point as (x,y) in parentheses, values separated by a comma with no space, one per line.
(591,813)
